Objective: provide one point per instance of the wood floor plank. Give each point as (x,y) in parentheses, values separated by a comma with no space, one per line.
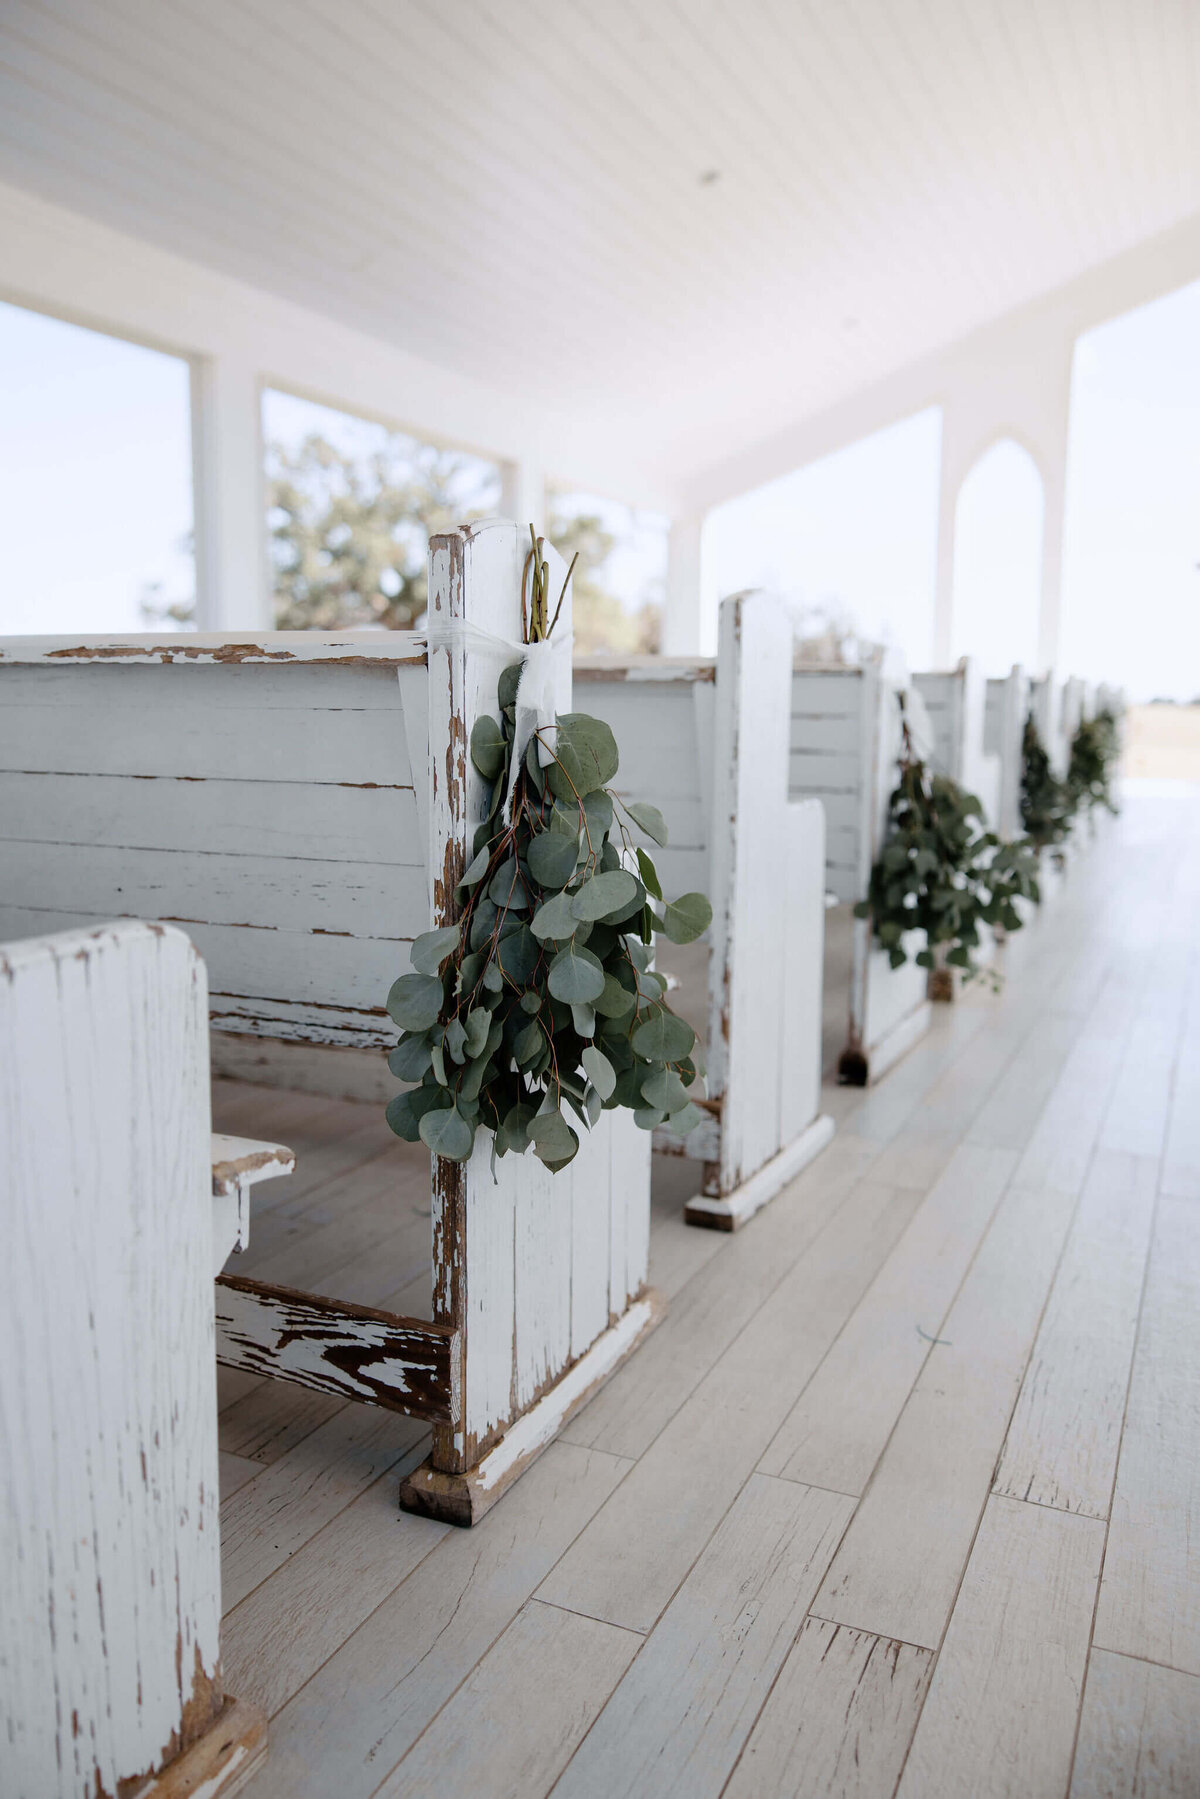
(1150,1595)
(273,1418)
(275,1515)
(545,1679)
(233,1385)
(839,1719)
(284,1630)
(1061,1448)
(898,1569)
(629,1412)
(235,1471)
(1139,1736)
(623,1568)
(1181,1155)
(839,1426)
(360,1713)
(1002,1707)
(676,1723)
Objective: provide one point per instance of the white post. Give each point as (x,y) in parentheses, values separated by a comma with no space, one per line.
(232,590)
(681,631)
(1054,482)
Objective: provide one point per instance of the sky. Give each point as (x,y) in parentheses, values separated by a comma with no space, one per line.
(95,477)
(95,505)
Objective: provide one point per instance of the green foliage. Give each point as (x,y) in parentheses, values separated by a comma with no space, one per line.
(350,531)
(1046,806)
(601,622)
(1093,758)
(540,1001)
(941,872)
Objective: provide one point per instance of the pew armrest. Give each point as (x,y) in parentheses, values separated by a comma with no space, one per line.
(237,1163)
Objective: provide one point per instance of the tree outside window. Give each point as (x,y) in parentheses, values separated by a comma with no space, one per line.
(621,576)
(351,507)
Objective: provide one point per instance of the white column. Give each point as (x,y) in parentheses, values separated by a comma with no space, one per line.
(681,634)
(1050,611)
(943,601)
(232,587)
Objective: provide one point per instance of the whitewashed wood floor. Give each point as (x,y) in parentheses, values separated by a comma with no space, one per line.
(903,1496)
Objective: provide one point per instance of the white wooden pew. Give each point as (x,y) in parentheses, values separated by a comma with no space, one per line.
(110,1578)
(708,744)
(956,704)
(1004,730)
(846,737)
(1046,703)
(304,804)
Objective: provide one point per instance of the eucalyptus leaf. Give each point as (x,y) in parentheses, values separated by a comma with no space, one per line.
(551,857)
(648,819)
(614,1001)
(554,1142)
(410,1058)
(448,1134)
(584,1019)
(685,919)
(604,894)
(649,874)
(599,1070)
(585,752)
(415,1001)
(489,748)
(555,918)
(478,1025)
(518,954)
(663,1037)
(431,948)
(575,974)
(664,1089)
(477,868)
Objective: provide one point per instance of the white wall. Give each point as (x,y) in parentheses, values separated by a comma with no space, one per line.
(240,339)
(1010,379)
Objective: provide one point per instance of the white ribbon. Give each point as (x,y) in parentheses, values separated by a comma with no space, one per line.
(540,672)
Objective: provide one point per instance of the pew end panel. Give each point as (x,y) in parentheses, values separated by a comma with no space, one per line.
(1006,709)
(708,744)
(845,742)
(110,1595)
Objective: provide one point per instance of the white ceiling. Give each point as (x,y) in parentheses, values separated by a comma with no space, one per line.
(514,188)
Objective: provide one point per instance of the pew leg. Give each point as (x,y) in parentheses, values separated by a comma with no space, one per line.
(464,1497)
(728,1211)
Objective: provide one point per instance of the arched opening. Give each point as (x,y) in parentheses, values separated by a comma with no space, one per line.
(998,524)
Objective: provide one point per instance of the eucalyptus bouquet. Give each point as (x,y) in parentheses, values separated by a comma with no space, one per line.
(540,1003)
(942,871)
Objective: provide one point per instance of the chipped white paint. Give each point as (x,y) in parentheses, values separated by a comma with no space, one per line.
(545,1419)
(238,1163)
(110,1584)
(713,756)
(529,1267)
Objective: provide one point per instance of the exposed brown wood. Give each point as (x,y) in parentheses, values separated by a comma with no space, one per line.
(355,1351)
(220,1762)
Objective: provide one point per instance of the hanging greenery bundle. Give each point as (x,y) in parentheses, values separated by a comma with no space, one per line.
(941,871)
(1047,810)
(1092,765)
(541,999)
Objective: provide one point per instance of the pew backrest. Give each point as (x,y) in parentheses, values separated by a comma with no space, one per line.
(262,795)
